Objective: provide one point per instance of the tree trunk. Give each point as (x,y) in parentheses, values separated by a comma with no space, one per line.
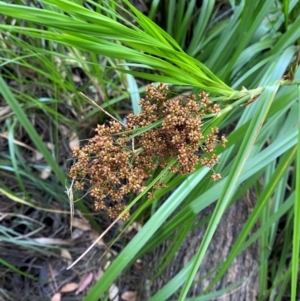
(243,269)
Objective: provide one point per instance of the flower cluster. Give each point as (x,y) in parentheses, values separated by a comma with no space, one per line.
(115,162)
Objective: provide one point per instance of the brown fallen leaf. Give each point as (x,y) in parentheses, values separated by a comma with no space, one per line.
(54,241)
(69,287)
(36,156)
(129,296)
(139,264)
(73,140)
(56,297)
(50,146)
(113,293)
(64,129)
(134,226)
(4,110)
(76,78)
(5,136)
(98,274)
(94,235)
(81,224)
(65,254)
(45,173)
(107,264)
(84,283)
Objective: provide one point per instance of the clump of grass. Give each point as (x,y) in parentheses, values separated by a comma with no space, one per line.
(116,163)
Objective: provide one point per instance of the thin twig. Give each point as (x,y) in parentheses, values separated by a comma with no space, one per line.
(95,242)
(105,112)
(69,192)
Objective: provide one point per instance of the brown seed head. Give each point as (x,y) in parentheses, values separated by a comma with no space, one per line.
(113,164)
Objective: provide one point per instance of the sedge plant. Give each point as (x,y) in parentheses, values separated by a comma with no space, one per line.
(252,44)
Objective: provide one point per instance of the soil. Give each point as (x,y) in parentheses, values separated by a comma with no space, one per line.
(48,263)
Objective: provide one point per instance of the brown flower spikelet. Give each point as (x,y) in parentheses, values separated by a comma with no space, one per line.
(113,164)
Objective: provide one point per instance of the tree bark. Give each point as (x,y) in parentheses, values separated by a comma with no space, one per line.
(243,269)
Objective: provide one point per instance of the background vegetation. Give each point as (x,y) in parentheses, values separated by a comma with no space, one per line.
(244,53)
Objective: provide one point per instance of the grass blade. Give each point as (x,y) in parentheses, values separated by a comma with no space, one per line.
(296,233)
(264,104)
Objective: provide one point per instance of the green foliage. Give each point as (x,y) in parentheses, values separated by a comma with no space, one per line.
(218,49)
